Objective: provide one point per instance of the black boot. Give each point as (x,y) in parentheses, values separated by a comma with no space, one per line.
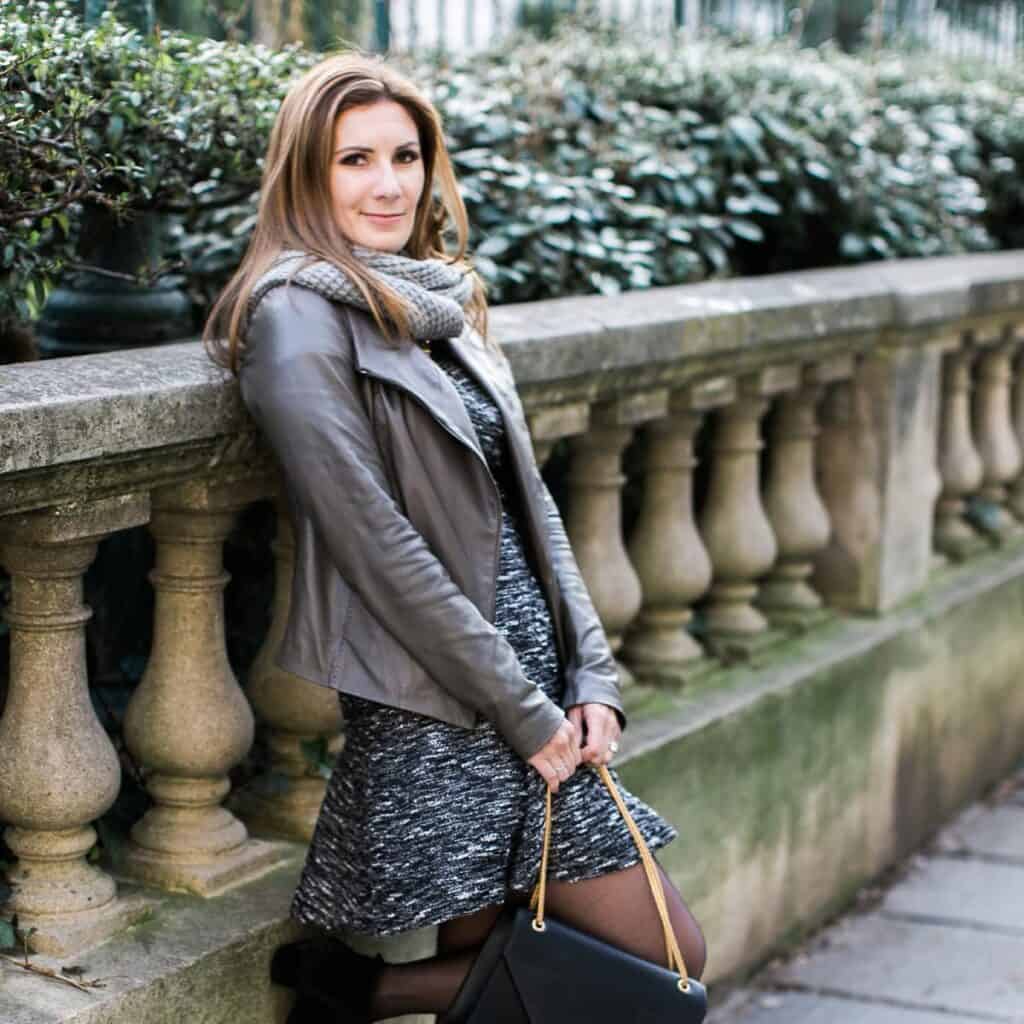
(328,973)
(306,1010)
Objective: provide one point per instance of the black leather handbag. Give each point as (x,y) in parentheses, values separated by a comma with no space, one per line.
(532,970)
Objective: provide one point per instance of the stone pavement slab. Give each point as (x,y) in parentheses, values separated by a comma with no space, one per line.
(967,973)
(982,893)
(802,1008)
(945,945)
(987,832)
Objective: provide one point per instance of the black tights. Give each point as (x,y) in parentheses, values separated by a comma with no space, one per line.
(616,907)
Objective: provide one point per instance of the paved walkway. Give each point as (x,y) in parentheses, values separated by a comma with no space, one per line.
(944,943)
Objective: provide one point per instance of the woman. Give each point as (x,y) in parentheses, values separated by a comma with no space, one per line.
(434,587)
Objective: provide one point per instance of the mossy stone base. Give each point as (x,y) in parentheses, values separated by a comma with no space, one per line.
(791,782)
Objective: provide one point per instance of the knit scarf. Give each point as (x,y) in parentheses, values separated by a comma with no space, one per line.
(436,292)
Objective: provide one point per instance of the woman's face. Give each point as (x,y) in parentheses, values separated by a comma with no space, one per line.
(376,175)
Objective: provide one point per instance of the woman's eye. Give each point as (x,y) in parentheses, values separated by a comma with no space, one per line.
(351,158)
(408,156)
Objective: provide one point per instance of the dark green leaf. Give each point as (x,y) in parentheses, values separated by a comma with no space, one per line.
(115,129)
(746,229)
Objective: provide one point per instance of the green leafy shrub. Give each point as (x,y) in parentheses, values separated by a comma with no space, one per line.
(590,162)
(104,117)
(977,124)
(716,160)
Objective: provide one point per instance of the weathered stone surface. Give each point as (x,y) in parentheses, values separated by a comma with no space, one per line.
(594,523)
(967,972)
(201,961)
(801,1008)
(188,721)
(988,832)
(558,421)
(800,776)
(543,340)
(60,770)
(791,782)
(879,480)
(668,554)
(971,892)
(870,966)
(733,522)
(775,312)
(62,411)
(81,520)
(795,780)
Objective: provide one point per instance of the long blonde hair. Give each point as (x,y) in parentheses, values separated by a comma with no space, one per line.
(295,206)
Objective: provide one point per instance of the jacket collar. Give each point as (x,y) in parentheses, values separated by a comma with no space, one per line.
(410,368)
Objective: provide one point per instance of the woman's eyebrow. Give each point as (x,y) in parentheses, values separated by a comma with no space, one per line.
(369,149)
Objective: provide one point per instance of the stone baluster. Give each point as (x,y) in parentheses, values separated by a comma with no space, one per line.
(1017,490)
(877,474)
(286,800)
(188,721)
(549,425)
(665,547)
(795,510)
(960,465)
(733,522)
(594,521)
(58,769)
(994,435)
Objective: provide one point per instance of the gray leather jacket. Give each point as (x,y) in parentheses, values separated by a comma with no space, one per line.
(397,524)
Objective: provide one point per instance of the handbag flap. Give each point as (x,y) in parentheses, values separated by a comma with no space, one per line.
(563,975)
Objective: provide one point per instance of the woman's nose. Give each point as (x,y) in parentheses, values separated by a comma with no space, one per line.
(386,186)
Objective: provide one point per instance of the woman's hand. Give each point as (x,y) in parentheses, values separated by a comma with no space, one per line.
(602,729)
(559,757)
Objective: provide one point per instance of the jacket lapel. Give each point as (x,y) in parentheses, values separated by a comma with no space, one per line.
(408,367)
(476,362)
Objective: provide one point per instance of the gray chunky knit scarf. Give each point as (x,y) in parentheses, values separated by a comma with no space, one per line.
(435,291)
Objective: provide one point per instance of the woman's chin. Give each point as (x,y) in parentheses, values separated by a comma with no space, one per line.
(391,245)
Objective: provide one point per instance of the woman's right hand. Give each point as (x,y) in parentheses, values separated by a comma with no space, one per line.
(559,757)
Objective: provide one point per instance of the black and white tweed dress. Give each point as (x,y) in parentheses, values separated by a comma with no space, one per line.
(424,821)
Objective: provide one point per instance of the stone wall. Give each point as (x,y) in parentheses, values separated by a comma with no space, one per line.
(795,781)
(817,650)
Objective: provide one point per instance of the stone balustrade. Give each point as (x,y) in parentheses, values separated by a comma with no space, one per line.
(797,442)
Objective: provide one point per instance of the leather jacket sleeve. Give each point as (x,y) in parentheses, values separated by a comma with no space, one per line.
(299,382)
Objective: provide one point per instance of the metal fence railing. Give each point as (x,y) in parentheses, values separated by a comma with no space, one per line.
(988,29)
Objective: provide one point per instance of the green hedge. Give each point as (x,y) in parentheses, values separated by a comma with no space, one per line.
(590,162)
(721,160)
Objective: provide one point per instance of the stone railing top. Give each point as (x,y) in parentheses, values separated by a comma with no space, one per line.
(698,323)
(86,407)
(169,401)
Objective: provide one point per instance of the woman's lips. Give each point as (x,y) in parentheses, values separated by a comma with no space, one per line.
(385,218)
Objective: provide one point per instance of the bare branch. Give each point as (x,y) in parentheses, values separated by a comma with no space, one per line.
(146,280)
(47,972)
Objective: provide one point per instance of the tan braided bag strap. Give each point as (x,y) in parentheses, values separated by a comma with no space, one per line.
(674,956)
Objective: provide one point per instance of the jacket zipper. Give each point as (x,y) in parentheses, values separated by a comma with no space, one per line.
(477,455)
